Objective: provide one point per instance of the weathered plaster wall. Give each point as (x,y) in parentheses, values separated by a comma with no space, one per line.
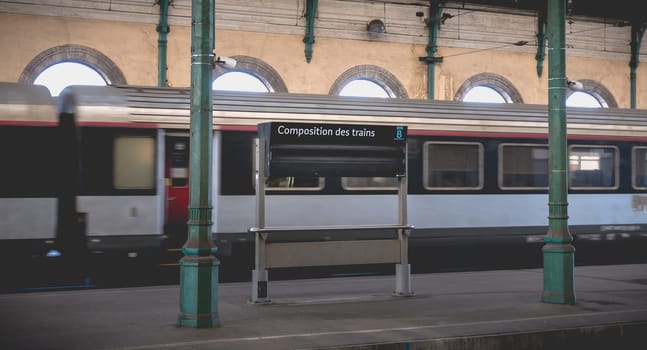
(133,48)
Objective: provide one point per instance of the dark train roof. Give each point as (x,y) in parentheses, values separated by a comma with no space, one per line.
(170,108)
(26,103)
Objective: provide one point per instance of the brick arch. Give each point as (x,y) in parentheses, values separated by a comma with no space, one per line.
(597,90)
(73,53)
(258,68)
(497,82)
(376,74)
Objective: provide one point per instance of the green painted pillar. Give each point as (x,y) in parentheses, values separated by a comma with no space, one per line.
(433,26)
(199,267)
(309,38)
(162,29)
(541,42)
(637,32)
(558,251)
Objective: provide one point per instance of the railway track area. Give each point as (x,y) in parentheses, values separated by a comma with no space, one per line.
(51,274)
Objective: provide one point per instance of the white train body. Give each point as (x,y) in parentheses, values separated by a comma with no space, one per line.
(93,195)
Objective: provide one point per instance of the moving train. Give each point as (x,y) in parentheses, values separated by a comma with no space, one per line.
(105,169)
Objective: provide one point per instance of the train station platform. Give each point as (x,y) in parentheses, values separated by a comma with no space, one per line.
(459,310)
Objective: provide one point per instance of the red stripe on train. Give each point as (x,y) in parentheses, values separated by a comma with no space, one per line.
(543,136)
(26,123)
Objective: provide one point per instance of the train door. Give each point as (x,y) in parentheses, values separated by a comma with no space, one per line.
(176,174)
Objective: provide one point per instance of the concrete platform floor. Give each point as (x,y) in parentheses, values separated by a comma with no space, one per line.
(463,310)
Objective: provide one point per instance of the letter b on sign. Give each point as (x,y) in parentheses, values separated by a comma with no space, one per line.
(399,133)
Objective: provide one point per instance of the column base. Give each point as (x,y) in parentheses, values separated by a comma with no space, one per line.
(259,287)
(558,298)
(199,292)
(199,321)
(403,281)
(558,273)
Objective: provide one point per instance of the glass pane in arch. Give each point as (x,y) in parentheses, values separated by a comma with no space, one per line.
(363,88)
(483,94)
(239,81)
(582,99)
(61,75)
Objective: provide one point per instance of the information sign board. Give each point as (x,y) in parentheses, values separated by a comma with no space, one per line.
(310,149)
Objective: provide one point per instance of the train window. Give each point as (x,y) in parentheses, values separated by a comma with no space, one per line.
(370,183)
(593,167)
(177,148)
(639,164)
(523,166)
(294,183)
(134,162)
(287,183)
(31,161)
(453,166)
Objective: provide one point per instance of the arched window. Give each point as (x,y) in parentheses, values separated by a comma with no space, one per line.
(364,88)
(65,65)
(583,99)
(484,94)
(250,74)
(488,87)
(592,94)
(61,75)
(239,81)
(357,81)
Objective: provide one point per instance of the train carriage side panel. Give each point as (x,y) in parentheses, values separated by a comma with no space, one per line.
(481,212)
(29,177)
(122,184)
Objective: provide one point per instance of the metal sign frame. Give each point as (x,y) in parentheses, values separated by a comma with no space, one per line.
(272,255)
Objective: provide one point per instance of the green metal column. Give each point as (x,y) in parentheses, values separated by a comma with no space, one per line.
(558,252)
(309,38)
(433,25)
(541,42)
(199,267)
(637,32)
(163,29)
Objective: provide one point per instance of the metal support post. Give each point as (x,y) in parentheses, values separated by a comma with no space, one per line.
(433,26)
(541,42)
(558,252)
(309,38)
(637,33)
(199,266)
(163,29)
(259,274)
(403,269)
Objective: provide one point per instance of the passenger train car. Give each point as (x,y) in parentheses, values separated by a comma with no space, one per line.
(105,170)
